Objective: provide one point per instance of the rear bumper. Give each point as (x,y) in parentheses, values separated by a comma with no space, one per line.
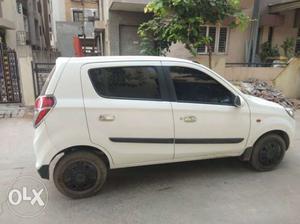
(43,149)
(44,171)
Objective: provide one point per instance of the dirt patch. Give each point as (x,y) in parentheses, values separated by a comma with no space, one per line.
(266,90)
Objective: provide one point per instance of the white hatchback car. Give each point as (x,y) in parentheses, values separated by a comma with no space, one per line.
(101,113)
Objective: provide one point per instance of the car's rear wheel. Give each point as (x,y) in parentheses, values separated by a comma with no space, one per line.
(80,174)
(268,152)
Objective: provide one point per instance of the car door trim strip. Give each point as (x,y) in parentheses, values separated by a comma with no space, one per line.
(179,140)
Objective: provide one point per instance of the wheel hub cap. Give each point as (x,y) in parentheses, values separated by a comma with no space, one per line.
(80,176)
(270,153)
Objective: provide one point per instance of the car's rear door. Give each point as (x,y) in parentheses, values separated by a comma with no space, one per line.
(207,124)
(127,111)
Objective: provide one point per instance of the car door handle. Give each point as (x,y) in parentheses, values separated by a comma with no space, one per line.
(106,117)
(189,119)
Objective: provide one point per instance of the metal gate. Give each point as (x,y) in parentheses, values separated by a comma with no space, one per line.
(9,76)
(40,74)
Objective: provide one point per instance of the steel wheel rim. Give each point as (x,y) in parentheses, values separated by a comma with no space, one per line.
(80,176)
(270,153)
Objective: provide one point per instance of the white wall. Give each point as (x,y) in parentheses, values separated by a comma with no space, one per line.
(58,9)
(25,73)
(9,13)
(289,79)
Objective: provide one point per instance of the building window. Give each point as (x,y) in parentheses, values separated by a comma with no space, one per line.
(222,39)
(19,7)
(39,6)
(34,5)
(0,9)
(2,36)
(212,31)
(270,34)
(78,16)
(219,36)
(297,48)
(36,27)
(259,37)
(21,38)
(297,18)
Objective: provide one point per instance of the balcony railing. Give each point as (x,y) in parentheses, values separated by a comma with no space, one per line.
(274,64)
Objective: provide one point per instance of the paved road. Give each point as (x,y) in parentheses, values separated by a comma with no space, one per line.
(211,191)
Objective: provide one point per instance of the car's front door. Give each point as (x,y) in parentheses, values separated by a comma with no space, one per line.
(207,124)
(127,112)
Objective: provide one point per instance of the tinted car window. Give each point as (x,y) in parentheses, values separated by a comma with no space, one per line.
(195,86)
(126,82)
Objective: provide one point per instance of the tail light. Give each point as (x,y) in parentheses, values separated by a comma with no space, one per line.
(42,106)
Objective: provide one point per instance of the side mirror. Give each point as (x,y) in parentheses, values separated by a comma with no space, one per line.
(237,101)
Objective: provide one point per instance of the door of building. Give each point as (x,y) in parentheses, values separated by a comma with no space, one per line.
(129,40)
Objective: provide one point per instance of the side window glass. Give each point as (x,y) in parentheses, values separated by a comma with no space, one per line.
(138,82)
(196,87)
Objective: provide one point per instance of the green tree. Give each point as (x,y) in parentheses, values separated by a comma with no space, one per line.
(177,21)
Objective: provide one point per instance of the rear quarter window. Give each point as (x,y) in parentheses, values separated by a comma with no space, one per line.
(135,82)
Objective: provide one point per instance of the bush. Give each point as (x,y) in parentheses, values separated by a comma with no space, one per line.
(268,51)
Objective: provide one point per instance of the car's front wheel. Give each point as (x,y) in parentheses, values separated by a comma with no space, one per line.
(79,174)
(268,152)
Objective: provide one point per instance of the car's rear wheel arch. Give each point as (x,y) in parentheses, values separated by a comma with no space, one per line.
(92,149)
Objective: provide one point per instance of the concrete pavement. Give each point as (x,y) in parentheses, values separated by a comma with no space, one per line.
(211,191)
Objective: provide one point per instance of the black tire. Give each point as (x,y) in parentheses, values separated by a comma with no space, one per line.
(79,174)
(268,152)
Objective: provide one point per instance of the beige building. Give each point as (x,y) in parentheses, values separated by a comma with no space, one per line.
(8,23)
(273,21)
(231,45)
(25,37)
(280,20)
(77,10)
(121,19)
(118,24)
(75,18)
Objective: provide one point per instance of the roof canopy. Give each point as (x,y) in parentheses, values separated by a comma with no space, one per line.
(284,6)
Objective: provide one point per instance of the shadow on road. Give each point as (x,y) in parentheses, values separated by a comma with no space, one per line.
(168,174)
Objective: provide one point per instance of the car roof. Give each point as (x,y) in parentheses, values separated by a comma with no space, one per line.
(92,59)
